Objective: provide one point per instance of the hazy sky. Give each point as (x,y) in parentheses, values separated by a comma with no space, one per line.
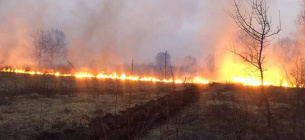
(101,32)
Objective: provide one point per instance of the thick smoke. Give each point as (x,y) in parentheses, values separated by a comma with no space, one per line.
(104,35)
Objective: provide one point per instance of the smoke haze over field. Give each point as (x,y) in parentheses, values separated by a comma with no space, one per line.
(102,33)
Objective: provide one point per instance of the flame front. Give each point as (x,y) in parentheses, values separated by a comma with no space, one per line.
(247,80)
(101,75)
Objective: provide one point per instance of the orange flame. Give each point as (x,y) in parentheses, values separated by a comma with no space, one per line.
(247,80)
(101,75)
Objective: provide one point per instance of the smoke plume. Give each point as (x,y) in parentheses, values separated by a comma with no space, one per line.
(104,35)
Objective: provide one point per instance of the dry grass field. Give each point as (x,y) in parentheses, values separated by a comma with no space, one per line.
(31,105)
(232,112)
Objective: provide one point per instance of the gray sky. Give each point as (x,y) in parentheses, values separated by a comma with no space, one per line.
(101,32)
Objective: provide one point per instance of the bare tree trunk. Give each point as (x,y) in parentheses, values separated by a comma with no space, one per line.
(161,70)
(259,35)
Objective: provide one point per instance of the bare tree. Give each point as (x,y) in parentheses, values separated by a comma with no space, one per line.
(286,48)
(210,61)
(257,25)
(49,45)
(301,20)
(298,70)
(56,45)
(40,44)
(189,65)
(163,59)
(291,54)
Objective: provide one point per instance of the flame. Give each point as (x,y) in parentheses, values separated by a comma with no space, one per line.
(251,81)
(234,70)
(84,75)
(245,80)
(200,80)
(101,75)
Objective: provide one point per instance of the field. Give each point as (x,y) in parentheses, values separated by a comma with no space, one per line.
(34,107)
(232,112)
(32,104)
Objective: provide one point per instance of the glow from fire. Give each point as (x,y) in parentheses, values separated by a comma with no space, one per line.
(234,70)
(200,80)
(251,81)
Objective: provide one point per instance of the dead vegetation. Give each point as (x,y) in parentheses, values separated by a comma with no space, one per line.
(231,112)
(88,107)
(31,104)
(132,123)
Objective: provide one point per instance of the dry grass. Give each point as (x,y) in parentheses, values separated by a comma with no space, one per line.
(232,113)
(33,104)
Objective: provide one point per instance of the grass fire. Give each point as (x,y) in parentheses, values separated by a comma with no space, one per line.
(112,70)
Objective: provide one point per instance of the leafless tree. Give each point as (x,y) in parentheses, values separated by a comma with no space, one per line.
(210,61)
(286,48)
(49,45)
(257,25)
(189,65)
(291,54)
(40,44)
(163,59)
(301,20)
(291,50)
(56,45)
(298,70)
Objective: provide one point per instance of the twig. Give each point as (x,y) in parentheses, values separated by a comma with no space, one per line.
(73,67)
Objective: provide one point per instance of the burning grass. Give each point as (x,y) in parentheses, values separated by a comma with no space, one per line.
(248,80)
(102,75)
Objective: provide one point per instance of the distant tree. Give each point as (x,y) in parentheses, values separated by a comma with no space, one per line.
(161,58)
(49,46)
(287,48)
(190,61)
(291,54)
(257,25)
(210,61)
(189,64)
(40,43)
(292,51)
(56,45)
(298,71)
(301,22)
